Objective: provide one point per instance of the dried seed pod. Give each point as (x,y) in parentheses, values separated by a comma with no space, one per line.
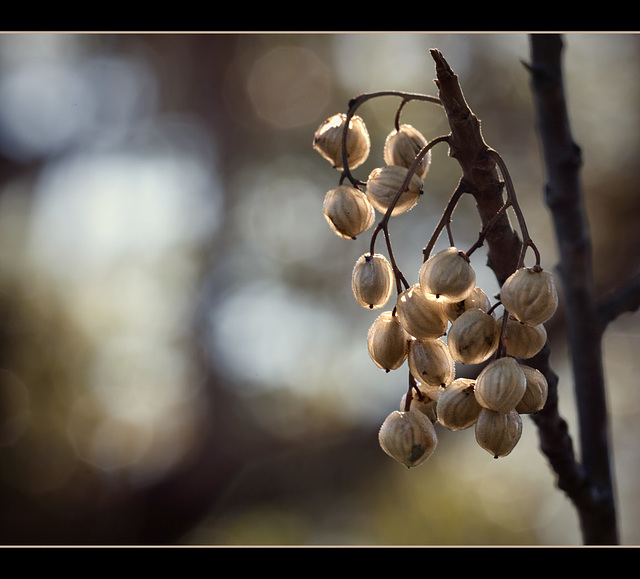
(501,385)
(476,299)
(419,315)
(523,341)
(498,432)
(384,183)
(402,146)
(457,407)
(388,342)
(473,337)
(422,403)
(529,294)
(348,211)
(448,275)
(430,363)
(327,140)
(372,280)
(535,394)
(408,437)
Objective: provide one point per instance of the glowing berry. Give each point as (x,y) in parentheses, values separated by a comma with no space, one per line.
(372,280)
(476,299)
(430,363)
(457,407)
(423,403)
(328,140)
(473,337)
(384,184)
(402,146)
(348,211)
(523,341)
(498,432)
(448,275)
(535,395)
(529,294)
(419,315)
(408,437)
(501,385)
(388,342)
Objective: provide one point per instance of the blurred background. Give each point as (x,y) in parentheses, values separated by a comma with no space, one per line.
(182,361)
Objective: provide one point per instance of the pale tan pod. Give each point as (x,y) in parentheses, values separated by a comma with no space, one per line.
(387,342)
(327,140)
(448,275)
(348,211)
(529,294)
(523,340)
(422,403)
(430,363)
(476,299)
(501,385)
(457,407)
(384,183)
(372,280)
(408,437)
(498,432)
(403,145)
(421,316)
(473,337)
(535,395)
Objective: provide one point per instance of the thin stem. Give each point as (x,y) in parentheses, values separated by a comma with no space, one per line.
(356,102)
(513,201)
(450,234)
(383,225)
(445,219)
(487,228)
(413,387)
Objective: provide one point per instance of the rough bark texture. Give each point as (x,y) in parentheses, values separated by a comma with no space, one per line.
(480,177)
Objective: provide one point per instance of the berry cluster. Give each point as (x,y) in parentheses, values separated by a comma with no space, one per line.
(444,318)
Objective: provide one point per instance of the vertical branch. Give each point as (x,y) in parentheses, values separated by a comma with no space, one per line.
(563,196)
(480,176)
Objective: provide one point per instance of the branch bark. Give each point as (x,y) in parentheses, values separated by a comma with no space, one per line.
(480,177)
(563,194)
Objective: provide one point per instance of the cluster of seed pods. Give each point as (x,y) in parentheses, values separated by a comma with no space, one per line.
(442,320)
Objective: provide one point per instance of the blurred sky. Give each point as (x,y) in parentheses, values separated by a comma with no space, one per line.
(163,251)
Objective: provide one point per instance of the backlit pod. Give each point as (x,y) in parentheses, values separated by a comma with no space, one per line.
(430,363)
(388,342)
(476,299)
(523,340)
(501,385)
(384,183)
(348,211)
(372,280)
(448,275)
(473,337)
(529,294)
(535,394)
(457,407)
(327,140)
(419,315)
(408,437)
(498,432)
(403,145)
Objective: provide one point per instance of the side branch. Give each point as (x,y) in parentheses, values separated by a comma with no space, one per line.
(623,300)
